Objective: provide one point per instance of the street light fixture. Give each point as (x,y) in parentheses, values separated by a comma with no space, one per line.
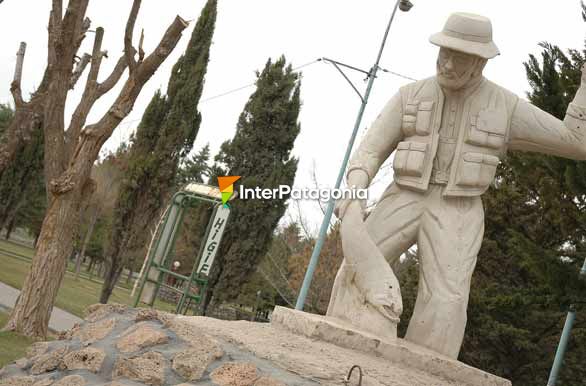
(405,6)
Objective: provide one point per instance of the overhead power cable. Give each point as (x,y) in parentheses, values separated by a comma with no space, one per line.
(397,74)
(227,92)
(253,83)
(294,69)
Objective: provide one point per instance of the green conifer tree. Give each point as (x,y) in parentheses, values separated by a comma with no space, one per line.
(260,152)
(534,246)
(194,168)
(165,135)
(6,114)
(22,190)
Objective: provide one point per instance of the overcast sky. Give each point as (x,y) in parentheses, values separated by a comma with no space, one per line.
(248,32)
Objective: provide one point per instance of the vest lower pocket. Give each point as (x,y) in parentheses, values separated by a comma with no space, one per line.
(410,159)
(476,170)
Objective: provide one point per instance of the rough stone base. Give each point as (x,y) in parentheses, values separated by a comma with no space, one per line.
(397,351)
(117,346)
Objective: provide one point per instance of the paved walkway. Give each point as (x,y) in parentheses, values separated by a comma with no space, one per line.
(60,320)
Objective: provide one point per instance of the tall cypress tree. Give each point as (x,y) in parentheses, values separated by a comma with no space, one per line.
(165,135)
(260,152)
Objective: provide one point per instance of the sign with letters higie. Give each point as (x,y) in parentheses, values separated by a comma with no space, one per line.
(213,241)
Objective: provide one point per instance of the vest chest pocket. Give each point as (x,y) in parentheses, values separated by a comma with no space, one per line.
(410,159)
(487,129)
(476,170)
(417,118)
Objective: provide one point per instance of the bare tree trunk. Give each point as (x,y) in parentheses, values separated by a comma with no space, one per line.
(31,313)
(208,296)
(70,153)
(101,270)
(129,267)
(86,241)
(148,252)
(98,269)
(9,217)
(114,268)
(90,266)
(110,280)
(10,228)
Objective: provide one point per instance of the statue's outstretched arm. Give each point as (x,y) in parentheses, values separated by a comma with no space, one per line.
(533,129)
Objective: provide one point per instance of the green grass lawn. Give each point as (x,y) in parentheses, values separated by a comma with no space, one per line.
(12,346)
(16,248)
(26,253)
(74,295)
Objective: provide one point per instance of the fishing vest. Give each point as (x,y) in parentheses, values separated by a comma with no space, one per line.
(483,133)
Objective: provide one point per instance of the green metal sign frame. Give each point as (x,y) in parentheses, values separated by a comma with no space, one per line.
(158,268)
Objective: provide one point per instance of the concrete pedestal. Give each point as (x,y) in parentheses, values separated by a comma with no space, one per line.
(399,352)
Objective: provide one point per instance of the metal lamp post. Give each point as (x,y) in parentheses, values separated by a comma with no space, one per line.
(563,345)
(403,5)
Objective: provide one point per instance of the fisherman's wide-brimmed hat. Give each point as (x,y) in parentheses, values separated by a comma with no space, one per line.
(469,33)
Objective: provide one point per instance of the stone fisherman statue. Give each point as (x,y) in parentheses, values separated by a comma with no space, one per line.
(449,133)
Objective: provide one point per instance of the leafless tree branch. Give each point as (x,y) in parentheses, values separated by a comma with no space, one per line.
(79,69)
(27,115)
(85,26)
(114,77)
(316,185)
(123,104)
(57,12)
(281,294)
(140,44)
(74,21)
(15,88)
(90,94)
(129,50)
(72,32)
(164,48)
(302,221)
(96,59)
(280,272)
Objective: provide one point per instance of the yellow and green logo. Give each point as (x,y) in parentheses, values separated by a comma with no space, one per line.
(226,185)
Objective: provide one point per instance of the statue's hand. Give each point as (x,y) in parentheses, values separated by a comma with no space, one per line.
(357,179)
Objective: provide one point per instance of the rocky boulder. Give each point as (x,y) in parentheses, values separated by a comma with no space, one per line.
(148,368)
(89,358)
(121,346)
(141,336)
